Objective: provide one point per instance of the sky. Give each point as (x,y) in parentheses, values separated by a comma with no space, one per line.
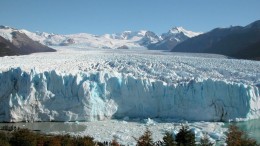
(113,16)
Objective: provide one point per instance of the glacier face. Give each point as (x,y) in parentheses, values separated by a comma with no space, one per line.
(100,95)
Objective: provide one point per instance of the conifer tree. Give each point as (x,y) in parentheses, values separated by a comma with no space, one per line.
(168,139)
(145,139)
(185,137)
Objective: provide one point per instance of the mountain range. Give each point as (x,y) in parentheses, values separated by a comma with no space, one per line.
(126,40)
(235,41)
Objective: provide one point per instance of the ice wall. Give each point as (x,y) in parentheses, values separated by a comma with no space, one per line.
(52,96)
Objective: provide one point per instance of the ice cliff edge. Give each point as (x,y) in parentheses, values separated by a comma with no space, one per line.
(52,96)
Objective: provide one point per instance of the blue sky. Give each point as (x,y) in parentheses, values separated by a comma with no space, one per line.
(111,16)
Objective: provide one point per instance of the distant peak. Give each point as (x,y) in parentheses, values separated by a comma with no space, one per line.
(177,30)
(254,24)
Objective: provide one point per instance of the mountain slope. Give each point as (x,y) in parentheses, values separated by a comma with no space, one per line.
(27,45)
(7,48)
(14,42)
(238,42)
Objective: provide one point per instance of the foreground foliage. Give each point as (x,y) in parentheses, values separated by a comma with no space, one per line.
(12,136)
(26,137)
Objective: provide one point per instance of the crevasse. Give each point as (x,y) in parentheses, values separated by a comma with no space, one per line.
(52,96)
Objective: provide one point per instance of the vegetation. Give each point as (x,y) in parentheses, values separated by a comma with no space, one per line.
(25,137)
(236,137)
(114,143)
(145,139)
(168,139)
(185,137)
(13,136)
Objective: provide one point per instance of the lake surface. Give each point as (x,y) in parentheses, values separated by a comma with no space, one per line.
(49,127)
(252,128)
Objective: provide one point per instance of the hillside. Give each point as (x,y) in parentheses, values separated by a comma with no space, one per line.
(7,48)
(13,42)
(238,42)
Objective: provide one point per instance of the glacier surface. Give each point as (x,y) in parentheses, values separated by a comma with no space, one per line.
(91,85)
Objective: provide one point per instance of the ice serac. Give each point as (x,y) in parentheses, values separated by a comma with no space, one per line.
(53,96)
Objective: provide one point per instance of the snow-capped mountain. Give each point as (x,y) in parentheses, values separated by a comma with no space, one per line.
(173,37)
(128,39)
(128,35)
(14,42)
(85,40)
(149,38)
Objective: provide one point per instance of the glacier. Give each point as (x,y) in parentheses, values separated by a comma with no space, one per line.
(91,85)
(54,96)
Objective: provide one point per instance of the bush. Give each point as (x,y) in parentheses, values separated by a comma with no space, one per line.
(4,136)
(4,139)
(67,140)
(40,139)
(168,139)
(53,141)
(23,137)
(185,137)
(236,137)
(4,143)
(85,141)
(145,139)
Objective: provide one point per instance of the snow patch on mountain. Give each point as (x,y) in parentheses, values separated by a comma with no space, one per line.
(175,31)
(6,32)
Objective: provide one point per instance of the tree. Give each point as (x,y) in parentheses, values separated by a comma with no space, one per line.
(145,139)
(168,139)
(236,137)
(204,141)
(185,137)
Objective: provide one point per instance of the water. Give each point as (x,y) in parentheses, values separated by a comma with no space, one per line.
(49,127)
(252,128)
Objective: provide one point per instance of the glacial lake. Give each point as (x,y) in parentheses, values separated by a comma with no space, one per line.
(252,128)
